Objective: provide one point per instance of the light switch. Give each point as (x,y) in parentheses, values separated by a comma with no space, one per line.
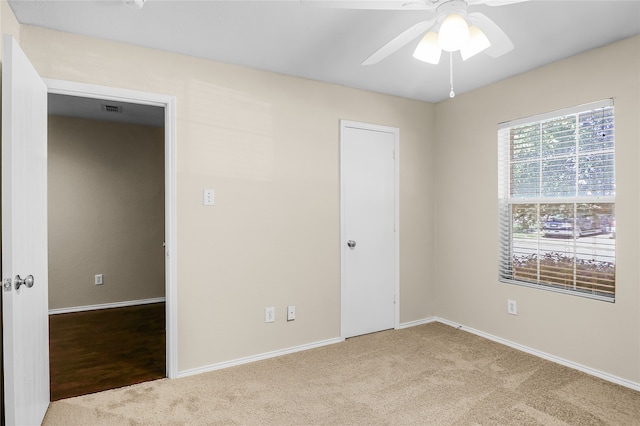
(208,197)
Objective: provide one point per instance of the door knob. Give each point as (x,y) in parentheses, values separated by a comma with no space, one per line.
(28,281)
(351,243)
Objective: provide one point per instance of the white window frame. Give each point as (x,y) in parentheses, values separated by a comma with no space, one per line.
(506,202)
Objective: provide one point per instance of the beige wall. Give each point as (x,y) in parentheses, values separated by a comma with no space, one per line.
(268,144)
(106,212)
(8,22)
(601,335)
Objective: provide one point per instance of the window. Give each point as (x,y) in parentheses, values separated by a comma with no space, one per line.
(556,195)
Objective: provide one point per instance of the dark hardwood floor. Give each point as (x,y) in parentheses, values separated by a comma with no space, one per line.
(105,349)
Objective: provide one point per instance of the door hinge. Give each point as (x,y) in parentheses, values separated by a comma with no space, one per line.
(6,284)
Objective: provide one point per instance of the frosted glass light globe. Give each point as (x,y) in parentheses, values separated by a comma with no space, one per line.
(454,33)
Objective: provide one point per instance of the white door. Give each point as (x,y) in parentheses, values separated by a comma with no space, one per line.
(24,238)
(369,239)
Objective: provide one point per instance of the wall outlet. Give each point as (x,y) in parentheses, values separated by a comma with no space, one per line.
(98,279)
(269,314)
(208,197)
(291,313)
(512,307)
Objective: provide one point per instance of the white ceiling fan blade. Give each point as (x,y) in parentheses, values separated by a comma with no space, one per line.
(500,42)
(502,2)
(399,42)
(371,4)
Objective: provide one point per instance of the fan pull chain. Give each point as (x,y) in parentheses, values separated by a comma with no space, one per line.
(452,93)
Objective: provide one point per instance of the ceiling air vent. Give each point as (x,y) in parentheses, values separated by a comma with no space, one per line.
(112,108)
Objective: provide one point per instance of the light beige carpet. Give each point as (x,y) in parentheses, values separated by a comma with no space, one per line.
(426,375)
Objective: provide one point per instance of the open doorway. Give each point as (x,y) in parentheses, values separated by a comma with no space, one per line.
(24,219)
(106,214)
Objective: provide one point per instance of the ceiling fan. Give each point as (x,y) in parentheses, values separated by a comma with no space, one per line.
(457,29)
(470,33)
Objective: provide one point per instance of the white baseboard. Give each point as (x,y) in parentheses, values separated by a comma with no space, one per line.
(105,306)
(273,354)
(267,355)
(417,322)
(591,371)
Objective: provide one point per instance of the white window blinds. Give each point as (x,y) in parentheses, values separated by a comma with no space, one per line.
(556,196)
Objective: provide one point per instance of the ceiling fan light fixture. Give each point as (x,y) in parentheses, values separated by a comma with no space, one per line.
(428,50)
(454,33)
(476,43)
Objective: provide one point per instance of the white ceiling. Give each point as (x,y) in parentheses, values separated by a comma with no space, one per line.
(328,44)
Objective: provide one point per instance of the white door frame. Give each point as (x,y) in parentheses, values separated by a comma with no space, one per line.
(62,87)
(343,240)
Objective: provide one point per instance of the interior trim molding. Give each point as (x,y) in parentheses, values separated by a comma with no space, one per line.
(83,90)
(415,323)
(591,371)
(259,357)
(106,306)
